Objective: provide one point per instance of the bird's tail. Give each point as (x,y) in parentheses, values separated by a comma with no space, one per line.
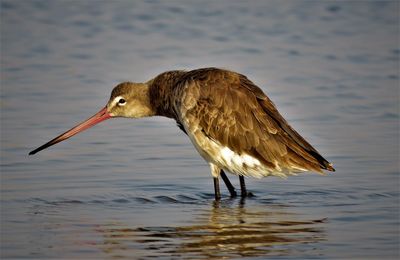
(323,163)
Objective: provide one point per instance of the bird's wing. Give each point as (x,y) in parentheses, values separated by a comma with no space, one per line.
(233,111)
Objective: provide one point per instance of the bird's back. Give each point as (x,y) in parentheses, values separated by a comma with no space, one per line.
(233,124)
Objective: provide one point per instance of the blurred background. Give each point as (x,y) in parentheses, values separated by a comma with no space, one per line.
(138,188)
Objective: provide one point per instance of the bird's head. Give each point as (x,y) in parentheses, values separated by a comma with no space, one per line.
(130,100)
(127,100)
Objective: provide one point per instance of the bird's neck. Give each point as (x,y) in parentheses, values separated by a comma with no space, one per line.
(142,107)
(164,93)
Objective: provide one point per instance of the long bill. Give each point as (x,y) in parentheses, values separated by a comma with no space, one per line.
(97,118)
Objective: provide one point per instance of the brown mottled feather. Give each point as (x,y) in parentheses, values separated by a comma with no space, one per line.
(230,109)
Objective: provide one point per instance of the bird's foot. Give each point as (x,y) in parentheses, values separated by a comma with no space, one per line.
(247,194)
(233,194)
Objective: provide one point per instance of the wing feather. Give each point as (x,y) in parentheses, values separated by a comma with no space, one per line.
(233,111)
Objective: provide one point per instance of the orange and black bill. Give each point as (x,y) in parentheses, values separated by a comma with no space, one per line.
(97,118)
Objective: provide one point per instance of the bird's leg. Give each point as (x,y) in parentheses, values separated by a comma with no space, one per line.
(228,184)
(242,186)
(216,188)
(243,189)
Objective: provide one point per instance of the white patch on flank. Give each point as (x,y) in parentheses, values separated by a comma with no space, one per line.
(235,159)
(222,157)
(241,164)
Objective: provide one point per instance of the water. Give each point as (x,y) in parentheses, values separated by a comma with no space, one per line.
(138,189)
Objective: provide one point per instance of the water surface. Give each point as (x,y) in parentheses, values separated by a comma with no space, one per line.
(138,188)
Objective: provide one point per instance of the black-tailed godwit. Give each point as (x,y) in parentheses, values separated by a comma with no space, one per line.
(230,121)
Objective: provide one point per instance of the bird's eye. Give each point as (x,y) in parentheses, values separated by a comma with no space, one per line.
(121,101)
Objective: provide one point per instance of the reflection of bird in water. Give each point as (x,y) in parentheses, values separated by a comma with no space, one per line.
(224,231)
(231,122)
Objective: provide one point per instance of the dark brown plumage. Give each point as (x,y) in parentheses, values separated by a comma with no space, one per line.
(231,109)
(230,121)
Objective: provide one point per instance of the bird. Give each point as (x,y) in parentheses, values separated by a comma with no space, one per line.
(230,121)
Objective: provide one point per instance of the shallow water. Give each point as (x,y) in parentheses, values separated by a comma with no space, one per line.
(138,189)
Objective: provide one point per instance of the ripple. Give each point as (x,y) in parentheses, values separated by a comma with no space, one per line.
(41,49)
(186,198)
(145,17)
(175,9)
(348,96)
(81,56)
(251,50)
(220,38)
(166,199)
(6,5)
(64,202)
(381,195)
(144,200)
(206,195)
(121,200)
(387,115)
(333,8)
